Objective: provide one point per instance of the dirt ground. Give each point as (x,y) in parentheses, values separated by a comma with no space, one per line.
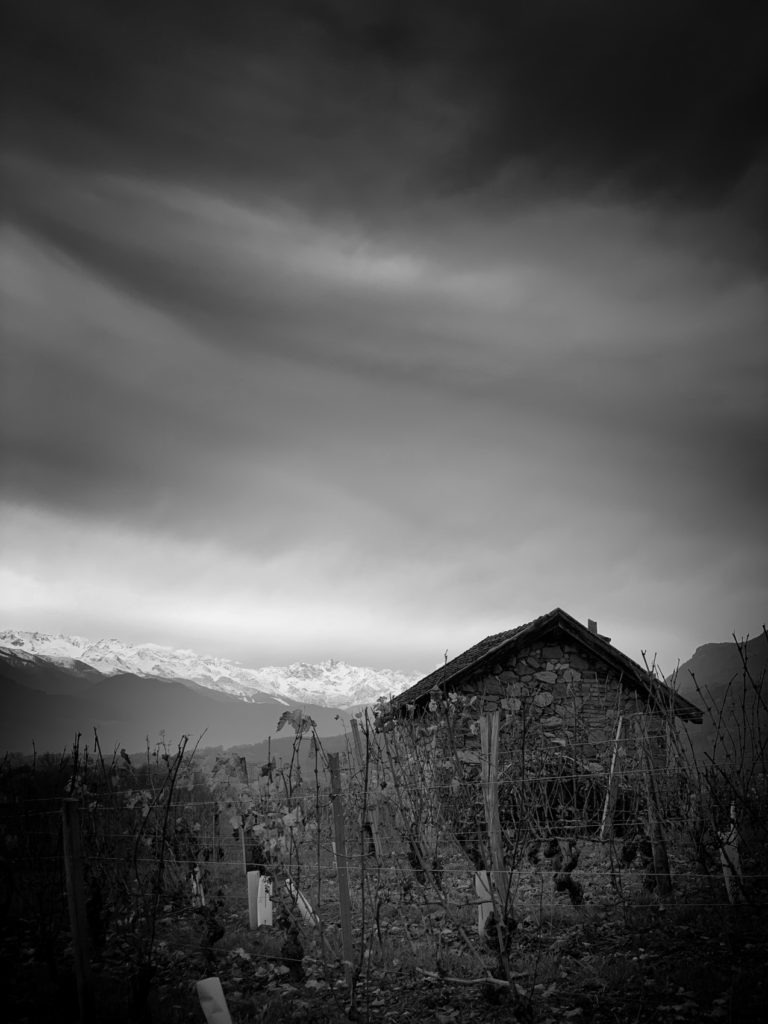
(679,964)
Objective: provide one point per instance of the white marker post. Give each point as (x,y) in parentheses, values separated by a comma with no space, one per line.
(264,902)
(253,878)
(305,909)
(485,904)
(212,1001)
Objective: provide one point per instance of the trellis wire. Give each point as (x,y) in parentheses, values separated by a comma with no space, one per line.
(418,811)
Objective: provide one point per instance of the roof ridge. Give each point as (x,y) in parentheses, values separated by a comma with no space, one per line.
(494,642)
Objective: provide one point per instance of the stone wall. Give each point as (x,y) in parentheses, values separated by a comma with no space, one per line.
(566,697)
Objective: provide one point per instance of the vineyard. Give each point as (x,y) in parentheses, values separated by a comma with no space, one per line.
(402,878)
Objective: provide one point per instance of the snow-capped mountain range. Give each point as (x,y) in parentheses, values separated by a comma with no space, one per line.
(330,684)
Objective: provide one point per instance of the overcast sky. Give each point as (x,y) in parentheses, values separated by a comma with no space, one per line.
(366,329)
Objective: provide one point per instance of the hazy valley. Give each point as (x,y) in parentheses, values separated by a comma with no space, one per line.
(52,687)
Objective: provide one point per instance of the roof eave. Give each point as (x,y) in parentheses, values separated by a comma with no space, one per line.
(635,674)
(465,670)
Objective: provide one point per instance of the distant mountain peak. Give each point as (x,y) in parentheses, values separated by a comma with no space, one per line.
(331,683)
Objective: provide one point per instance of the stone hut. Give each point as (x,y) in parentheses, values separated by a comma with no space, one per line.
(590,682)
(579,720)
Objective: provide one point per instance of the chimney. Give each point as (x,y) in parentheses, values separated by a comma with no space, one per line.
(592,627)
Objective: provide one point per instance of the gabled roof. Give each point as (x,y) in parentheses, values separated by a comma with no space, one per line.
(488,651)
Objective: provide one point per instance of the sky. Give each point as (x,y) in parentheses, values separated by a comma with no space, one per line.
(365,330)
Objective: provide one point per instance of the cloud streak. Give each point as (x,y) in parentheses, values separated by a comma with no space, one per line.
(324,97)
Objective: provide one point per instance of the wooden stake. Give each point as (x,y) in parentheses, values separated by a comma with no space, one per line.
(374,820)
(342,867)
(730,860)
(198,889)
(242,845)
(658,846)
(610,796)
(489,740)
(244,776)
(358,743)
(501,881)
(73,869)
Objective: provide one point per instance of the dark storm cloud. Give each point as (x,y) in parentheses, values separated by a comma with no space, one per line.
(363,105)
(378,317)
(660,97)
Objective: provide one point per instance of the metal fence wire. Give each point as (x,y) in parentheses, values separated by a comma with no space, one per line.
(446,832)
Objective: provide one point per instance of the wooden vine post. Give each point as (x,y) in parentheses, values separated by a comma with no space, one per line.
(73,871)
(489,741)
(371,823)
(358,743)
(244,776)
(342,867)
(658,845)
